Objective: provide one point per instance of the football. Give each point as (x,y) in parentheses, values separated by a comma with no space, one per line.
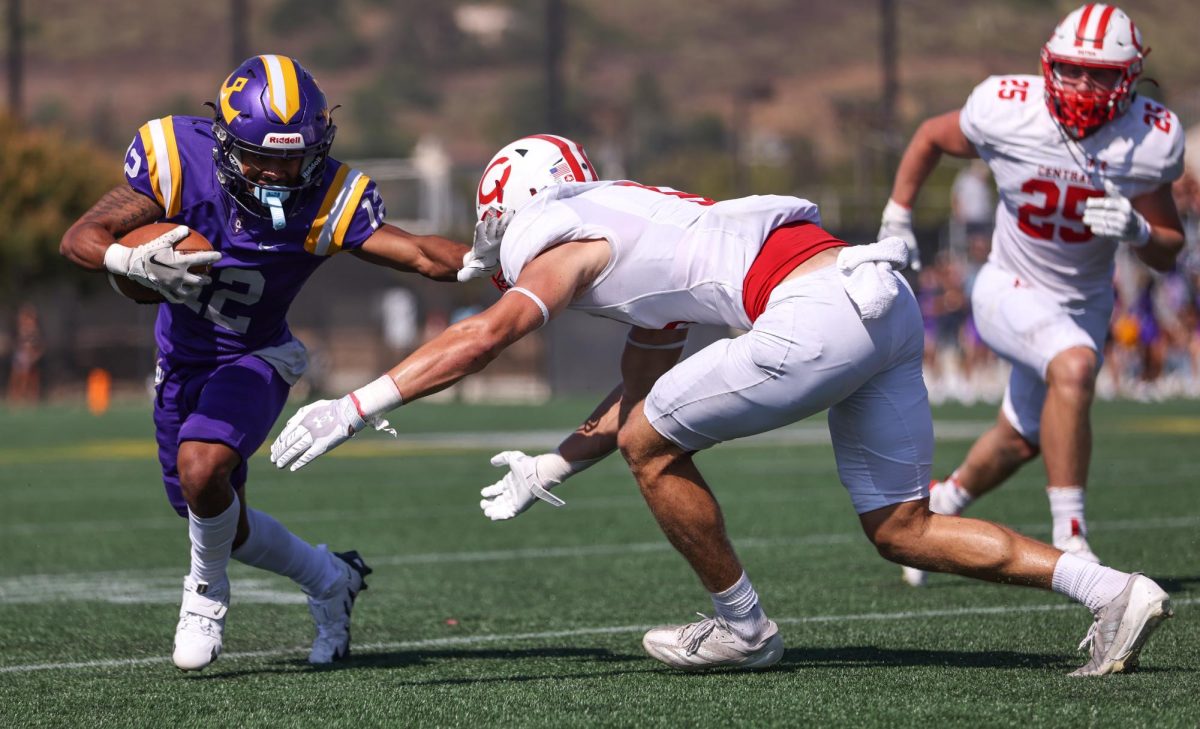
(130,289)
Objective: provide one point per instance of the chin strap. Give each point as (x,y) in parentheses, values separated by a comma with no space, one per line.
(274,200)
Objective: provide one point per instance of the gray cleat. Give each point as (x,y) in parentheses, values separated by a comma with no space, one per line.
(708,643)
(1123,625)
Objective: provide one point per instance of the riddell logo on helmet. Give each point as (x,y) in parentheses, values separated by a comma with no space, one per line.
(283,140)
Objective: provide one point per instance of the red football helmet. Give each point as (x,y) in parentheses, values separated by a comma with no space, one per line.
(525,167)
(1102,40)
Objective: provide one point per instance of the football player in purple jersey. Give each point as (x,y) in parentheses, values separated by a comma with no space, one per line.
(257,181)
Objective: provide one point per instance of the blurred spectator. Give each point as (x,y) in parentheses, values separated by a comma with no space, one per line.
(24,381)
(971,207)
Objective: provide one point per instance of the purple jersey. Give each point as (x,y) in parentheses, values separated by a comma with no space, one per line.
(245,307)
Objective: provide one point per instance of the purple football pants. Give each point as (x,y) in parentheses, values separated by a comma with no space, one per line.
(235,404)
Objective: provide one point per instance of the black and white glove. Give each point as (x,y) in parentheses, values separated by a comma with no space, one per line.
(1113,216)
(484,257)
(529,478)
(157,265)
(897,223)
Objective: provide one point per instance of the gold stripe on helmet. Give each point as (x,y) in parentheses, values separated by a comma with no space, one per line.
(283,89)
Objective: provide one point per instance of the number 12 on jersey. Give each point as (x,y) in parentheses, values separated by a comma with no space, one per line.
(1072,197)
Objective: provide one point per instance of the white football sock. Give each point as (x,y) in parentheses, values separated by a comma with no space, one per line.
(949,497)
(212,539)
(739,607)
(272,547)
(1066,507)
(1092,584)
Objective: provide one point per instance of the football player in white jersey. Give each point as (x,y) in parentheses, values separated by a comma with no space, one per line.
(1083,165)
(828,327)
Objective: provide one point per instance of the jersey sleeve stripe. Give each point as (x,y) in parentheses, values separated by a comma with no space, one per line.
(162,160)
(283,88)
(317,243)
(345,208)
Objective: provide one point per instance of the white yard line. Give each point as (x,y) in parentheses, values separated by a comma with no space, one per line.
(11,586)
(468,640)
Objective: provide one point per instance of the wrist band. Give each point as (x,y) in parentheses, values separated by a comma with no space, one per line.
(116,258)
(377,397)
(534,298)
(642,345)
(895,211)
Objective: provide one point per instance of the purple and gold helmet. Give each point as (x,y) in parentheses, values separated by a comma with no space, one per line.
(271,106)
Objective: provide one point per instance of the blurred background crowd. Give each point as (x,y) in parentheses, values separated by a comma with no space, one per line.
(721,99)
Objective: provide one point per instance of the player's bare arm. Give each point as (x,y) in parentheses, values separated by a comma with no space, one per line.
(554,279)
(648,354)
(935,137)
(429,255)
(119,211)
(1166,229)
(547,285)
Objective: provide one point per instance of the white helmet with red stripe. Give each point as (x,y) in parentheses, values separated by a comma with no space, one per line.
(527,166)
(1097,37)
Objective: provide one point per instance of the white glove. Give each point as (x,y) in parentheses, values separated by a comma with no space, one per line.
(1113,216)
(529,478)
(314,429)
(484,257)
(897,223)
(157,265)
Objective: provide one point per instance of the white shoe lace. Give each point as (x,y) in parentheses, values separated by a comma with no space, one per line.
(1091,635)
(193,623)
(694,634)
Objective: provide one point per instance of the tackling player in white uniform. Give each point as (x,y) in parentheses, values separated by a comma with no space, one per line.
(829,327)
(1083,165)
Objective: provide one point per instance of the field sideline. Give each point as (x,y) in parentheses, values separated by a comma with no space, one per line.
(537,622)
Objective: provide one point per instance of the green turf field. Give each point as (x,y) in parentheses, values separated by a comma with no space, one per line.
(538,621)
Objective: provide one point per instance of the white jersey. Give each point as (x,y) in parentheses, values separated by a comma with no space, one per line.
(675,258)
(1044,177)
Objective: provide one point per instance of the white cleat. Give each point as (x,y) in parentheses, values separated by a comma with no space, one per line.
(1122,627)
(709,643)
(331,611)
(1077,545)
(201,623)
(914,576)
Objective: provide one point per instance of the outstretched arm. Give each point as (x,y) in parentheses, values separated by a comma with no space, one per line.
(547,285)
(429,255)
(648,354)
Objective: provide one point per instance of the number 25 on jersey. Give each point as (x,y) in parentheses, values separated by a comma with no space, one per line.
(1031,216)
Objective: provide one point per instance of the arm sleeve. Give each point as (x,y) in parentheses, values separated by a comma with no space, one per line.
(368,215)
(974,115)
(137,170)
(349,213)
(154,165)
